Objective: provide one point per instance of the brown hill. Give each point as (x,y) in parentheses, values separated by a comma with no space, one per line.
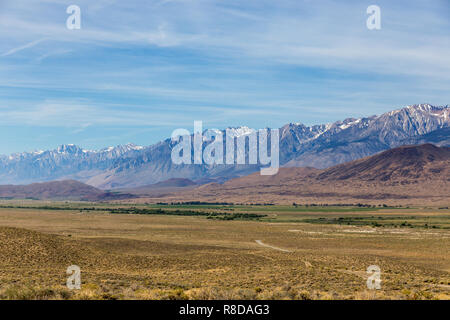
(404,175)
(403,163)
(58,190)
(284,175)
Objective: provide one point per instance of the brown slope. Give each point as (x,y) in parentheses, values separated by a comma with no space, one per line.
(283,176)
(425,161)
(22,248)
(57,190)
(404,175)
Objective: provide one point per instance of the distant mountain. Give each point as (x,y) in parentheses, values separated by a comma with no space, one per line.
(416,175)
(154,164)
(160,189)
(357,138)
(440,137)
(58,190)
(65,162)
(319,146)
(174,182)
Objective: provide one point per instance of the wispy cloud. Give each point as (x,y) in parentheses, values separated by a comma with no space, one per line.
(23,47)
(325,33)
(51,54)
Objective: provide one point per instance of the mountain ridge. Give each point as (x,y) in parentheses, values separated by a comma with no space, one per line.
(318,146)
(409,175)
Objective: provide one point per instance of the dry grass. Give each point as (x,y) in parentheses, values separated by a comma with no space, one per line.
(172,257)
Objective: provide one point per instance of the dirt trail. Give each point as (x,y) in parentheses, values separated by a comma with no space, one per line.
(269,246)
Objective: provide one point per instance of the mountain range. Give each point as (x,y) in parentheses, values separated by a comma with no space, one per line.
(409,175)
(318,146)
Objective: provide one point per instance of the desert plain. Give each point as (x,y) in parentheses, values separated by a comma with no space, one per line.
(223,251)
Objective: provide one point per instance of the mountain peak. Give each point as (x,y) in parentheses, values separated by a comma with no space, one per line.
(425,107)
(69,148)
(122,148)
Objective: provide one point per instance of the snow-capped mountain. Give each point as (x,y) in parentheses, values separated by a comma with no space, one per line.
(352,139)
(66,161)
(317,146)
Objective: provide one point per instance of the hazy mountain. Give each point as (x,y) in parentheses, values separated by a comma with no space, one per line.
(65,162)
(318,146)
(174,182)
(160,189)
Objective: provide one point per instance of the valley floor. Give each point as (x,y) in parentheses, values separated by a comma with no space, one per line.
(284,252)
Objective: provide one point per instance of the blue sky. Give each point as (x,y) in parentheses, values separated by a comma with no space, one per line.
(137,70)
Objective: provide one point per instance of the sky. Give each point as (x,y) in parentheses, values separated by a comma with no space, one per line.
(137,70)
